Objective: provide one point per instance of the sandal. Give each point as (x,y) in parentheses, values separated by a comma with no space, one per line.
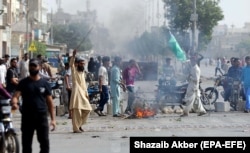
(81,129)
(78,131)
(116,115)
(97,112)
(101,114)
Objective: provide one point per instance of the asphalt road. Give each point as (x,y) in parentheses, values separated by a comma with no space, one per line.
(111,135)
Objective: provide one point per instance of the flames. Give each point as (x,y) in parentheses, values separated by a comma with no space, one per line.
(144,112)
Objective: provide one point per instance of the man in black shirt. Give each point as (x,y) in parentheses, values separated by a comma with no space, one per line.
(91,65)
(12,77)
(37,100)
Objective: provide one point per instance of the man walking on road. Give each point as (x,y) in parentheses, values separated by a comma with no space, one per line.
(192,97)
(129,75)
(37,101)
(24,66)
(79,103)
(103,85)
(218,67)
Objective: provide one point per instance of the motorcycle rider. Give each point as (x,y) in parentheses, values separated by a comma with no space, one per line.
(234,72)
(168,71)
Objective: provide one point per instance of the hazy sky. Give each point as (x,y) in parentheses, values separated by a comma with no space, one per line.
(236,11)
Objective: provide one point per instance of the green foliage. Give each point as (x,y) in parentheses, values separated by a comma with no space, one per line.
(72,35)
(40,48)
(179,13)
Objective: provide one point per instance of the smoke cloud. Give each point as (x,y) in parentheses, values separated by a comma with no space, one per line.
(124,19)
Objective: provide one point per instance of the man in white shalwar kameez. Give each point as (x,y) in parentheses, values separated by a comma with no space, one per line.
(79,102)
(24,66)
(192,97)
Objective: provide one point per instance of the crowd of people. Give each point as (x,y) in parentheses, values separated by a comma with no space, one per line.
(30,82)
(105,71)
(235,69)
(28,79)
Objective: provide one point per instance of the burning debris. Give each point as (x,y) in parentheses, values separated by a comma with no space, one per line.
(143,110)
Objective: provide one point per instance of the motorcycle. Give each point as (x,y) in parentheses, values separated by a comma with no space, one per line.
(8,136)
(172,95)
(94,94)
(236,92)
(56,86)
(212,92)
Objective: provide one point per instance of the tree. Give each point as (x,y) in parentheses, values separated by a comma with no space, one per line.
(73,35)
(178,13)
(40,49)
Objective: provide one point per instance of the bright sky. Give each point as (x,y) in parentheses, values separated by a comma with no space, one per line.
(236,12)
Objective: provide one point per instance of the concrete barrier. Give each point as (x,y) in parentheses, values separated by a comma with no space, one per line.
(222,106)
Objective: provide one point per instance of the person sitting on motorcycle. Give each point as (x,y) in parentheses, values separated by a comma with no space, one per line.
(168,71)
(234,72)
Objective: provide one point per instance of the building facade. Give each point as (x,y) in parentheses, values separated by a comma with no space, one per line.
(226,38)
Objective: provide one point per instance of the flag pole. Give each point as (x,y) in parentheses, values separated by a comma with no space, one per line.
(84,38)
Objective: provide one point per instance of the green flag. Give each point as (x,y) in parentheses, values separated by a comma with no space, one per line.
(176,49)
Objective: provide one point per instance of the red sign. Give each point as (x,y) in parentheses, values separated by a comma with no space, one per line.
(27,36)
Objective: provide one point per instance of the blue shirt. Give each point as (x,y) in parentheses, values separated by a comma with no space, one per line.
(246,76)
(235,72)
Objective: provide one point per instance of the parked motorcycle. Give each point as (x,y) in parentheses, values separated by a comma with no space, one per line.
(94,94)
(8,137)
(56,86)
(169,95)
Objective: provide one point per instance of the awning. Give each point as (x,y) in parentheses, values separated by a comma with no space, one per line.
(53,50)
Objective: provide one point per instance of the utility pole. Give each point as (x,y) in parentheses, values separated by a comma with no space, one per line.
(88,5)
(51,28)
(158,14)
(153,15)
(27,27)
(194,18)
(145,15)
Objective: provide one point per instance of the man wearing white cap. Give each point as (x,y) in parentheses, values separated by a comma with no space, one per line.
(79,103)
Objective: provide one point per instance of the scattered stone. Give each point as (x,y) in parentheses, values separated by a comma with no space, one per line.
(178,119)
(178,111)
(124,137)
(64,123)
(167,110)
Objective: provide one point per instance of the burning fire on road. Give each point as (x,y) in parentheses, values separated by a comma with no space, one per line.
(142,110)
